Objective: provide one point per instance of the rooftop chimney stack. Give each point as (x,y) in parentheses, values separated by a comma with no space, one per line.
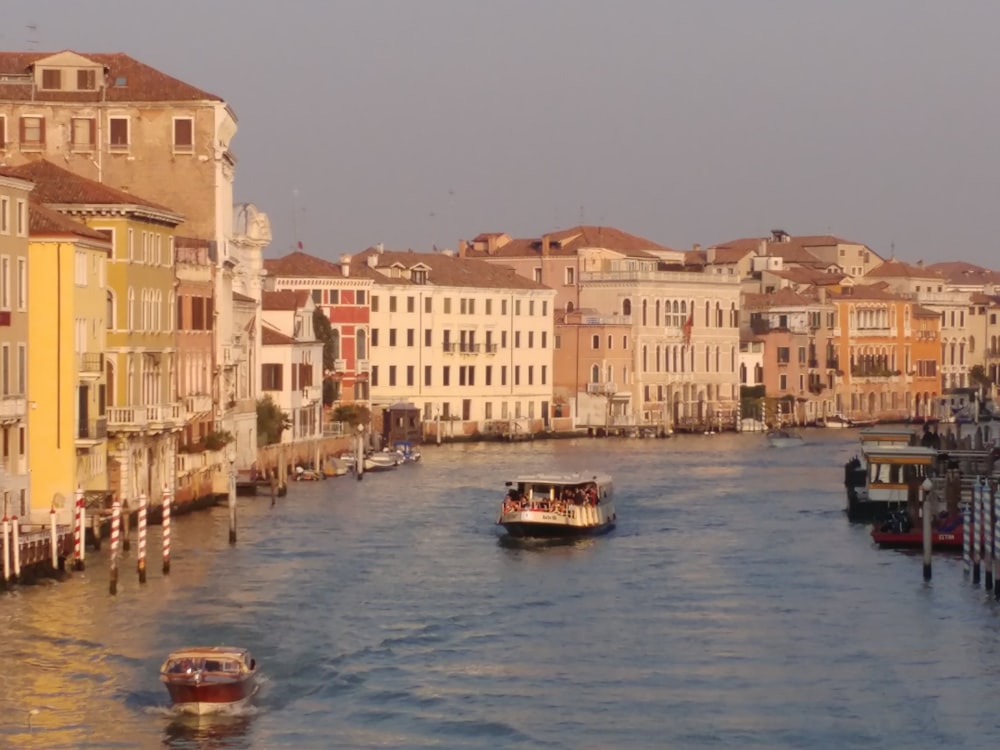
(345,265)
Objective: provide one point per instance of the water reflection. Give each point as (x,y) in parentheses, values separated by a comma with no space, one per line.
(209,732)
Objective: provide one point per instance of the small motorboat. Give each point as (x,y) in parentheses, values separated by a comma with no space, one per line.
(407,450)
(308,475)
(334,466)
(784,439)
(899,531)
(209,679)
(382,461)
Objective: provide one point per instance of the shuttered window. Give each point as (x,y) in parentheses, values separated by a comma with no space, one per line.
(52,80)
(83,131)
(86,80)
(118,133)
(32,131)
(184,134)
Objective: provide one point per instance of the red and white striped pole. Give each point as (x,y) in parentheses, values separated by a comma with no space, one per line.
(141,564)
(166,530)
(116,515)
(78,530)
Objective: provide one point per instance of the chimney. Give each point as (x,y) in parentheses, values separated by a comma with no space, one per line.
(546,245)
(380,247)
(696,246)
(762,248)
(372,259)
(710,255)
(345,265)
(491,244)
(463,248)
(822,294)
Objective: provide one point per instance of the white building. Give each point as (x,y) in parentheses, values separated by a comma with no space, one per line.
(292,362)
(468,343)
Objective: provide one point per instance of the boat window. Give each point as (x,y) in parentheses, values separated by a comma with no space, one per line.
(212,666)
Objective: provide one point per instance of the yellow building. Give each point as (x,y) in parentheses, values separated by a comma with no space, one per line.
(144,415)
(66,342)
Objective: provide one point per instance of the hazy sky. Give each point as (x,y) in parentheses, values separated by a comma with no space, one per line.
(418,122)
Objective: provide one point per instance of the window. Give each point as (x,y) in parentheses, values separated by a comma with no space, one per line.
(5,283)
(32,132)
(411,303)
(3,131)
(359,297)
(86,80)
(392,303)
(538,275)
(447,305)
(489,374)
(51,80)
(4,215)
(22,371)
(392,337)
(374,303)
(374,337)
(409,375)
(427,337)
(570,276)
(595,342)
(118,133)
(374,375)
(270,377)
(427,374)
(22,284)
(82,132)
(445,376)
(428,305)
(410,337)
(392,375)
(183,135)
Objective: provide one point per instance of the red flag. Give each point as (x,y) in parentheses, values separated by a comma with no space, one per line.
(300,245)
(688,325)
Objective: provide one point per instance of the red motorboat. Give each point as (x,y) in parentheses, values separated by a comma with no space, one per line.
(898,531)
(209,679)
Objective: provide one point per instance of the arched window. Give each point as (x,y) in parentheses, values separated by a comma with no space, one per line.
(569,307)
(645,312)
(130,313)
(595,374)
(109,312)
(708,314)
(626,306)
(743,374)
(361,344)
(645,363)
(657,313)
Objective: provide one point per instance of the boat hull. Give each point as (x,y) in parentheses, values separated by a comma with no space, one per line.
(209,698)
(915,539)
(529,530)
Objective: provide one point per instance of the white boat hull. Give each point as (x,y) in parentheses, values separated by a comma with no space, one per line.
(577,520)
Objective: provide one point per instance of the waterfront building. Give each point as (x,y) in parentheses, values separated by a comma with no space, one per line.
(292,362)
(799,362)
(112,119)
(342,292)
(67,340)
(143,413)
(684,335)
(889,347)
(468,343)
(930,289)
(14,395)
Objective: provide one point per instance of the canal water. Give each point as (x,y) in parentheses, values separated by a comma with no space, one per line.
(733,606)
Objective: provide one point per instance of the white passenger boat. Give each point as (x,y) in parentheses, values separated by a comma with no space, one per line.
(558,505)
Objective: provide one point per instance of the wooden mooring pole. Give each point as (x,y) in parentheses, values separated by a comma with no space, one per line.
(927,530)
(116,515)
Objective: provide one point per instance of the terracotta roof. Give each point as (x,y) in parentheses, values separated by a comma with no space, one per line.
(919,311)
(960,272)
(814,276)
(57,186)
(128,80)
(779,298)
(568,242)
(43,221)
(304,264)
(272,336)
(286,299)
(723,255)
(894,269)
(794,249)
(866,291)
(443,270)
(238,297)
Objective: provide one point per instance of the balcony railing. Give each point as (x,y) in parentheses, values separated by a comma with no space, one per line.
(312,393)
(90,363)
(492,348)
(13,408)
(127,418)
(600,388)
(363,366)
(198,403)
(469,348)
(92,429)
(449,347)
(340,365)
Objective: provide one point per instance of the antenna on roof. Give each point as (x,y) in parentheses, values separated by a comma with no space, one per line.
(892,251)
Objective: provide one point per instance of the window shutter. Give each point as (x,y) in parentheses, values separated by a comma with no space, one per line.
(41,130)
(24,126)
(93,133)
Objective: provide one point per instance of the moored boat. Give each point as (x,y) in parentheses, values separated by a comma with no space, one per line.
(899,531)
(382,461)
(558,505)
(209,679)
(409,452)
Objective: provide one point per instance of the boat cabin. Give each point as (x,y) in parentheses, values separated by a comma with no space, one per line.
(557,491)
(887,435)
(893,471)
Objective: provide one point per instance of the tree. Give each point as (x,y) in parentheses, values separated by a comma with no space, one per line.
(325,333)
(271,421)
(353,414)
(978,377)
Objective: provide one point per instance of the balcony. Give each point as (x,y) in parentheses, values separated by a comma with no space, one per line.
(90,365)
(601,388)
(340,365)
(312,393)
(90,432)
(469,348)
(449,347)
(147,417)
(363,365)
(13,409)
(198,403)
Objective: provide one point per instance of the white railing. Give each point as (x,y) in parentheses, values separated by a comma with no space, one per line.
(198,403)
(138,417)
(13,407)
(600,387)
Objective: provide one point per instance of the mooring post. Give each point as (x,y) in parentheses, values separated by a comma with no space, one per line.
(977,531)
(359,454)
(167,502)
(6,545)
(232,506)
(15,545)
(78,531)
(126,525)
(274,488)
(54,538)
(988,546)
(928,534)
(141,562)
(967,532)
(116,512)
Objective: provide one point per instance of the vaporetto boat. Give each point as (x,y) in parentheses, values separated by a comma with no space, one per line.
(558,505)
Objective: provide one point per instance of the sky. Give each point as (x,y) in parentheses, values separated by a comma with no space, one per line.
(419,122)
